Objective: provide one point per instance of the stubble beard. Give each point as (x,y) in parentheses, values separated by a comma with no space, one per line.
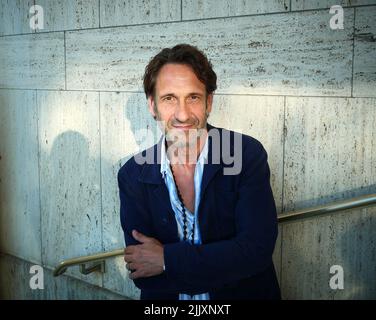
(183,144)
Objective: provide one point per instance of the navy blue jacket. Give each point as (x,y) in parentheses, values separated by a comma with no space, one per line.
(237,219)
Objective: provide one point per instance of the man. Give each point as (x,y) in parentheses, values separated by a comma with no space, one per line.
(193,231)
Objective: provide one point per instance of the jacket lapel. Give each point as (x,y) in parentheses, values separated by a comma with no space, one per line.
(151,174)
(214,162)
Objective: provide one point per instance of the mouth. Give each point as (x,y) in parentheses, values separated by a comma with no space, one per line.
(183,127)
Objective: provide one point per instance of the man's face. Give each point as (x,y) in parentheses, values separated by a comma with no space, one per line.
(180,101)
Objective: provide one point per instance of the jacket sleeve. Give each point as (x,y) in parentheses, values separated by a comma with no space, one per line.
(250,251)
(134,214)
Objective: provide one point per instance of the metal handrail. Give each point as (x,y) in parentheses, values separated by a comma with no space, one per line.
(98,257)
(358,202)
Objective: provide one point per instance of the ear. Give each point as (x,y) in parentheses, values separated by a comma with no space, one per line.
(151,106)
(209,102)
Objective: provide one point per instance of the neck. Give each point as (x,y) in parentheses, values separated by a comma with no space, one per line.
(186,156)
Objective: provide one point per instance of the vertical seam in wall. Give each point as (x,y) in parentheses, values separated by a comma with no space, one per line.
(100,173)
(181,10)
(290,6)
(99,13)
(39,195)
(283,152)
(353,57)
(283,189)
(65,62)
(35,30)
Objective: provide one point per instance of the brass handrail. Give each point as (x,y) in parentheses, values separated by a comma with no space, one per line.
(358,202)
(354,203)
(98,257)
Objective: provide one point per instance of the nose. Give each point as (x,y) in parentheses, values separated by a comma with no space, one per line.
(182,112)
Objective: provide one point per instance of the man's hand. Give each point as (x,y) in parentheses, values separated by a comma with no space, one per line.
(145,259)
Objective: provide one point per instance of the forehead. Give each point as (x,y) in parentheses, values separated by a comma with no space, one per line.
(178,77)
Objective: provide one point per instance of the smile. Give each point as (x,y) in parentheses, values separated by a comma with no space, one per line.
(183,127)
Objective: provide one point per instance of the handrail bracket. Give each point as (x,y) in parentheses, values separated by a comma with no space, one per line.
(97,266)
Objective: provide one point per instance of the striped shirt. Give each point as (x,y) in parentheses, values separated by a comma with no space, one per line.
(176,204)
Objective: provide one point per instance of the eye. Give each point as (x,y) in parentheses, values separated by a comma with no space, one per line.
(168,98)
(194,98)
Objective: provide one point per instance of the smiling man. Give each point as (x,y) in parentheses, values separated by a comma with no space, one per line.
(193,231)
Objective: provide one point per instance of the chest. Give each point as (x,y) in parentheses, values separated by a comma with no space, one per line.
(185,185)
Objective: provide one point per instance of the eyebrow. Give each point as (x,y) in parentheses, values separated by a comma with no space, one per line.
(166,95)
(195,94)
(189,94)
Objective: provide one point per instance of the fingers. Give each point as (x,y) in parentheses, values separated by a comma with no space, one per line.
(136,274)
(129,250)
(140,237)
(139,269)
(142,270)
(127,256)
(132,266)
(136,270)
(144,259)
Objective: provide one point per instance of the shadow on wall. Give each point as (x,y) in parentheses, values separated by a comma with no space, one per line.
(70,197)
(74,220)
(142,125)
